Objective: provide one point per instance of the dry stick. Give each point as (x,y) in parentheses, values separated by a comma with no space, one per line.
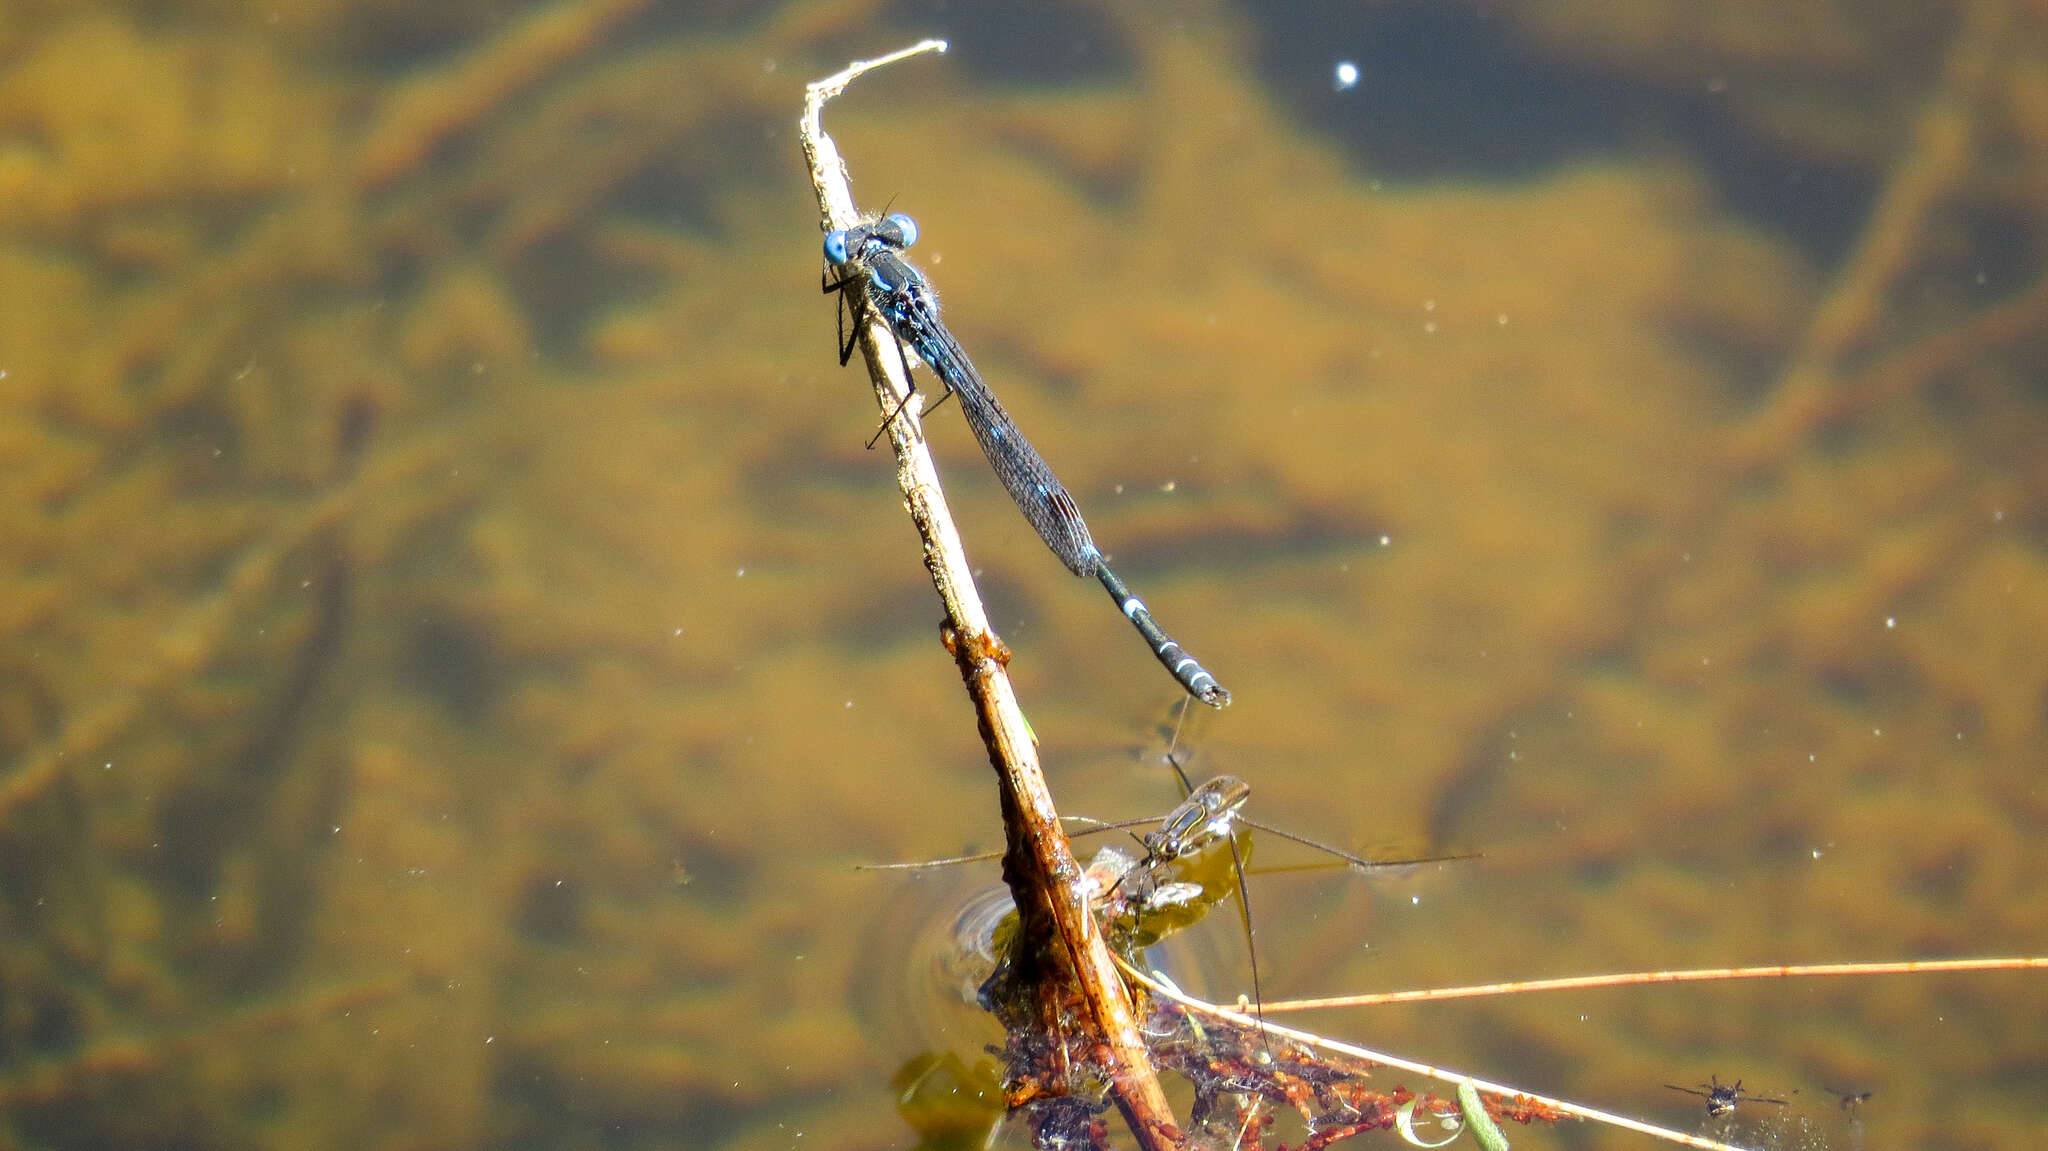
(1448,1076)
(1040,867)
(1902,967)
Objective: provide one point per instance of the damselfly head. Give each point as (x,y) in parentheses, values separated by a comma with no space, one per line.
(894,231)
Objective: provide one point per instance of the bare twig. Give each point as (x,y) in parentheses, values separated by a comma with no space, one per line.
(1040,867)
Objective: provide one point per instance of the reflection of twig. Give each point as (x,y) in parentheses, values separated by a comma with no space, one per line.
(191,642)
(1439,1073)
(1580,982)
(196,637)
(425,110)
(1947,351)
(1040,866)
(46,1081)
(1810,392)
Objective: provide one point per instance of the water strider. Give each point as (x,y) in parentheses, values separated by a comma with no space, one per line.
(1722,1097)
(1142,897)
(884,284)
(1204,817)
(1848,1100)
(1210,814)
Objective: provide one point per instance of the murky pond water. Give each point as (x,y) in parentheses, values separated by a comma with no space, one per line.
(454,645)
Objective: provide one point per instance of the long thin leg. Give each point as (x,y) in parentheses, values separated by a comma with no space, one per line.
(844,340)
(903,359)
(1251,950)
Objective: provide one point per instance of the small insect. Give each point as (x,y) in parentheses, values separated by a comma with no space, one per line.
(1721,1098)
(1848,1099)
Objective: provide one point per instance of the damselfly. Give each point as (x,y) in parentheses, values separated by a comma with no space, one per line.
(879,282)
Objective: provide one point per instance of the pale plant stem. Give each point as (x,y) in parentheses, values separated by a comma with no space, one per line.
(1440,1073)
(1633,978)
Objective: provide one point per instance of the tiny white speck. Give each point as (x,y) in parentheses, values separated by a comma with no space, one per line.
(1890,622)
(1429,329)
(107,766)
(1429,305)
(678,631)
(1386,541)
(1169,485)
(1415,900)
(740,574)
(1813,759)
(1877,731)
(490,1039)
(1501,319)
(1816,853)
(1347,76)
(849,705)
(335,830)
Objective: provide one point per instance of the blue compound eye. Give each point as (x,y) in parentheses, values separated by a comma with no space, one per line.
(835,247)
(906,228)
